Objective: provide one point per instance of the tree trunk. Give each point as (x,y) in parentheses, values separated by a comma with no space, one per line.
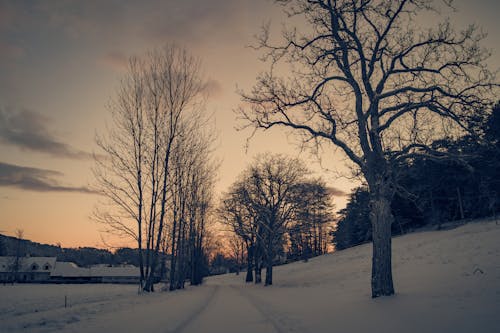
(269,273)
(200,252)
(178,255)
(270,251)
(257,266)
(381,219)
(258,276)
(460,205)
(173,255)
(141,261)
(249,277)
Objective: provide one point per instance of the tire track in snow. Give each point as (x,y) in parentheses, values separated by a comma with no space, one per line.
(196,313)
(281,323)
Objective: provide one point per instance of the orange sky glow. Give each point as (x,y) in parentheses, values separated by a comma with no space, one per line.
(60,63)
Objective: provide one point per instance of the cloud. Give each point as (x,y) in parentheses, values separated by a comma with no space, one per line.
(149,19)
(194,20)
(34,179)
(336,192)
(214,88)
(27,130)
(116,60)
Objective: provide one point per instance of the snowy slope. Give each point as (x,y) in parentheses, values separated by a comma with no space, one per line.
(446,281)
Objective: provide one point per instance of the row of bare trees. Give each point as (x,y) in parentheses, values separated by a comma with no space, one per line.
(273,206)
(155,171)
(364,77)
(191,193)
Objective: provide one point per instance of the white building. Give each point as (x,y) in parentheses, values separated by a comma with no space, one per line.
(26,269)
(48,270)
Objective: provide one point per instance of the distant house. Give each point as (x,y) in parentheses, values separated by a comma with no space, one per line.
(48,270)
(67,272)
(116,274)
(26,269)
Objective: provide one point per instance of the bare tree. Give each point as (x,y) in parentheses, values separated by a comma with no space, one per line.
(160,92)
(192,178)
(368,79)
(200,204)
(183,92)
(236,247)
(119,172)
(236,212)
(309,230)
(268,189)
(16,263)
(272,207)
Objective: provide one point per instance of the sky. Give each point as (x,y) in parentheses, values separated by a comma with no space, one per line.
(61,63)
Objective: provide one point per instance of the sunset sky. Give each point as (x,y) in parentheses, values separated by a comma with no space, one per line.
(60,63)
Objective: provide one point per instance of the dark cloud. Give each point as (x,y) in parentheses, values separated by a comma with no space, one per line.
(27,130)
(34,179)
(337,192)
(149,19)
(214,88)
(195,22)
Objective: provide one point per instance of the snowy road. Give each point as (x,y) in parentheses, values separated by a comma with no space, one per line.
(228,310)
(223,304)
(447,281)
(212,308)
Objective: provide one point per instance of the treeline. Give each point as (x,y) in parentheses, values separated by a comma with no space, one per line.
(276,213)
(155,170)
(463,184)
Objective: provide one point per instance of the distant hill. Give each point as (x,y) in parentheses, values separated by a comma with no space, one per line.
(82,256)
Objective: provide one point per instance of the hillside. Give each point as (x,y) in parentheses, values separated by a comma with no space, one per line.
(82,256)
(446,281)
(8,247)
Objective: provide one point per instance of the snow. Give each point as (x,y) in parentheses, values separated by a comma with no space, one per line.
(69,269)
(446,281)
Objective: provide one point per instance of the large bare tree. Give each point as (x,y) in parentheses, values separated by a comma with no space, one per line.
(368,77)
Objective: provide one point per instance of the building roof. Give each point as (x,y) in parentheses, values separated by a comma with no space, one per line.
(28,264)
(69,269)
(115,271)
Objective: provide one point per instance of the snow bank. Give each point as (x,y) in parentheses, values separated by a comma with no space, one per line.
(446,281)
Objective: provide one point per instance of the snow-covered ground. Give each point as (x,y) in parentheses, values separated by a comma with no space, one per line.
(446,281)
